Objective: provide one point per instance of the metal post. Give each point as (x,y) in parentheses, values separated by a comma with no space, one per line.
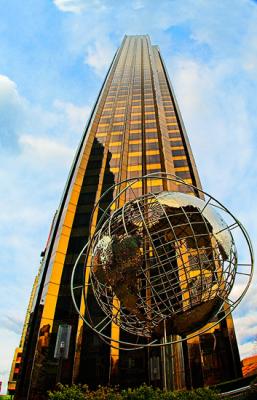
(59,369)
(164,369)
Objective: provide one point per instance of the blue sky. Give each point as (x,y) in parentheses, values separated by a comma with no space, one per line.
(53,58)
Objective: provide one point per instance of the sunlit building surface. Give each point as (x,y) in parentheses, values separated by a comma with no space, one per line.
(16,363)
(135,128)
(249,366)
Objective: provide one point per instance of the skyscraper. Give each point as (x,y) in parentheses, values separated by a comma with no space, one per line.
(135,128)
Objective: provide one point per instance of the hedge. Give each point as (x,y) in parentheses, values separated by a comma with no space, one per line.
(144,392)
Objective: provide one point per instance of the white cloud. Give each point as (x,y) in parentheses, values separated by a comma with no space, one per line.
(79,6)
(12,322)
(247,350)
(249,58)
(76,116)
(137,4)
(8,91)
(43,149)
(99,55)
(219,123)
(11,111)
(246,327)
(20,119)
(73,6)
(246,316)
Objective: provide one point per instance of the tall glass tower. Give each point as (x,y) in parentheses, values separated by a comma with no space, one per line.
(135,128)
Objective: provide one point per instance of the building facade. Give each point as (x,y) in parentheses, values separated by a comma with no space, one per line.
(135,128)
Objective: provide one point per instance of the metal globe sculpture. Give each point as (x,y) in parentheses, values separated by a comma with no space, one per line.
(165,260)
(164,263)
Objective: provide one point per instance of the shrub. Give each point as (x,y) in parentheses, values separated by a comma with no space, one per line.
(148,393)
(198,394)
(143,392)
(65,392)
(102,393)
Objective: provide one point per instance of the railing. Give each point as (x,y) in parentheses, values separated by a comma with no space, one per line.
(244,393)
